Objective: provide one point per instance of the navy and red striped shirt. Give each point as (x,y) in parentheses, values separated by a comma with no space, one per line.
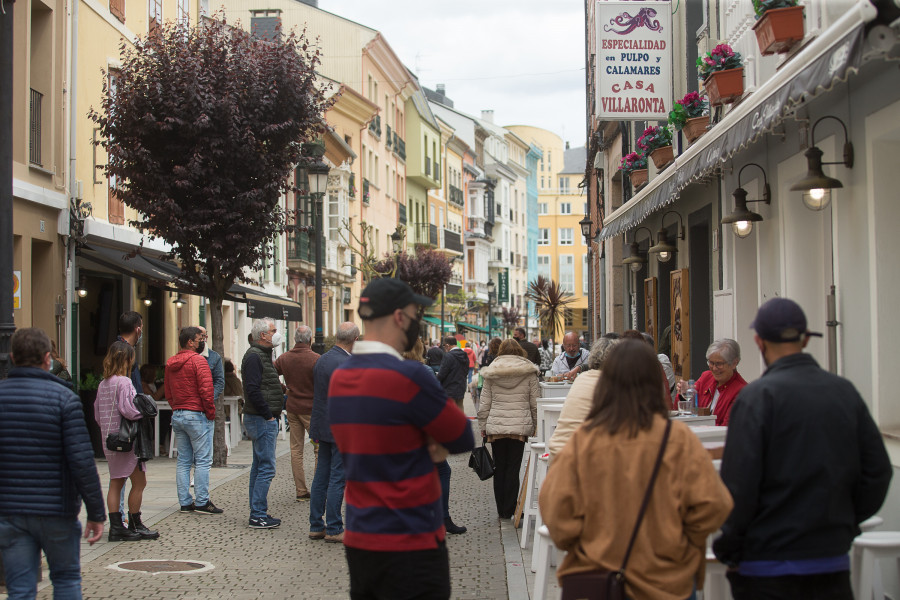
(381,410)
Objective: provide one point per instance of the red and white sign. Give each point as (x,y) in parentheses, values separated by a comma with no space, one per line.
(634,60)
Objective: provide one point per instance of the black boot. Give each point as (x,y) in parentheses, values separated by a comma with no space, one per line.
(135,525)
(118,532)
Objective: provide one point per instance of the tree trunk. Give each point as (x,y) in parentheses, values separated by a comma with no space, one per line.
(220,451)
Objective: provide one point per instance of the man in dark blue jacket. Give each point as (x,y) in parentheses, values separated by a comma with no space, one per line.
(327,493)
(46,469)
(452,376)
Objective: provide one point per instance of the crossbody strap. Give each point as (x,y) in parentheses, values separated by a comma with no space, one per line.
(647,495)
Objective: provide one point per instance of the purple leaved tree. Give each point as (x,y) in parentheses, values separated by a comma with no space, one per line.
(203,127)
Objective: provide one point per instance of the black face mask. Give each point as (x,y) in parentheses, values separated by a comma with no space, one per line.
(412,334)
(200,347)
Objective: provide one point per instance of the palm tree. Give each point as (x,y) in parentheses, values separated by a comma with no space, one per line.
(510,318)
(551,302)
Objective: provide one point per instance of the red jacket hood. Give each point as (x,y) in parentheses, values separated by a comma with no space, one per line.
(182,358)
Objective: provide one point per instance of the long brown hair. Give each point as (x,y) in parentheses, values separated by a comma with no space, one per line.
(119,360)
(511,346)
(631,390)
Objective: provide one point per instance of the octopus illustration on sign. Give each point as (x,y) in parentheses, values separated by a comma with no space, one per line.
(644,18)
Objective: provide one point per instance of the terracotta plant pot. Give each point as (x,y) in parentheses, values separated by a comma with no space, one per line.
(694,128)
(638,179)
(725,87)
(779,30)
(662,157)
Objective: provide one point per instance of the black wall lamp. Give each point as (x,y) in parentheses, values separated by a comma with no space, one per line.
(817,186)
(586,223)
(664,250)
(81,288)
(146,299)
(635,260)
(178,301)
(741,218)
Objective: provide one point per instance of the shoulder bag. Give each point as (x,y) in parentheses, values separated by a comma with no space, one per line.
(481,462)
(123,439)
(610,585)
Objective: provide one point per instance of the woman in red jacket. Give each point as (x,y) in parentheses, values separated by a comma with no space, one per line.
(718,387)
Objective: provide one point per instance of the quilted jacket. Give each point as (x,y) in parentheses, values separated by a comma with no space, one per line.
(46,459)
(509,397)
(189,383)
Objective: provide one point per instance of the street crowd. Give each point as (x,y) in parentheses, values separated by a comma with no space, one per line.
(628,488)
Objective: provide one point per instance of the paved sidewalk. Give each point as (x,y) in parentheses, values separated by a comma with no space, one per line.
(485,562)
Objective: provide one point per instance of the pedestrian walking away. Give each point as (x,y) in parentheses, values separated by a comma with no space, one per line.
(805,464)
(190,392)
(452,376)
(263,400)
(296,366)
(392,422)
(41,491)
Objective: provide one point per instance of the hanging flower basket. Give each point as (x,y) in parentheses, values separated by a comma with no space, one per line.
(662,157)
(694,128)
(639,179)
(725,87)
(779,30)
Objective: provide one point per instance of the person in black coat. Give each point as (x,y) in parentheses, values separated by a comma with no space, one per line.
(454,370)
(46,470)
(434,357)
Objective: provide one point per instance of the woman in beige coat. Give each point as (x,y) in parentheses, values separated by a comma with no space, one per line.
(508,417)
(593,491)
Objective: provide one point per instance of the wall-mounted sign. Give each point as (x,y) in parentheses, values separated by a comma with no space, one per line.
(17,290)
(503,287)
(634,60)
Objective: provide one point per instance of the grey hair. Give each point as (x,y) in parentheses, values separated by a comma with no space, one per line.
(303,335)
(260,326)
(347,332)
(728,348)
(599,351)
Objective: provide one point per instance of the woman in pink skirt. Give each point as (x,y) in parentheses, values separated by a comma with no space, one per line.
(115,400)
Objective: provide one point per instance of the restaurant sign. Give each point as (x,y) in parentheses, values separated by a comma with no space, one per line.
(634,60)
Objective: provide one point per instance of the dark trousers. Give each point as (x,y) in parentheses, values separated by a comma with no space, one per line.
(443,469)
(826,586)
(418,574)
(507,460)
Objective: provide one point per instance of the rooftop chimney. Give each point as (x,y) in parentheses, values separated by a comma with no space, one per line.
(487,115)
(440,89)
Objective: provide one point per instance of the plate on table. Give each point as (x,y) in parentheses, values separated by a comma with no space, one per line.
(558,383)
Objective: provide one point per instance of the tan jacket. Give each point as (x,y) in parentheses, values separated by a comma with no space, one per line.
(593,492)
(509,397)
(576,407)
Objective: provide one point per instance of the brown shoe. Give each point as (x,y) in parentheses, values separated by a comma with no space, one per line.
(317,535)
(303,497)
(335,539)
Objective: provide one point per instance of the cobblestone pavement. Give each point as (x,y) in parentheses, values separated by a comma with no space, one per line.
(284,562)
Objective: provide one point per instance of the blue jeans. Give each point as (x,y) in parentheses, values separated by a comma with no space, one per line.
(263,435)
(195,444)
(327,491)
(21,540)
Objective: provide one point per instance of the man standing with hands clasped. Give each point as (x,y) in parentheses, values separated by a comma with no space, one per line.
(392,421)
(805,465)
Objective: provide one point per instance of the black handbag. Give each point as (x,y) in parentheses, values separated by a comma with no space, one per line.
(123,439)
(482,462)
(610,585)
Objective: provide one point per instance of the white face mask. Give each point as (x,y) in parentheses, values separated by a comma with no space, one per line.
(277,339)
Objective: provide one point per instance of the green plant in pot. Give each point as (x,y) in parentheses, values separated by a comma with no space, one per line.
(761,7)
(634,164)
(722,72)
(690,115)
(656,142)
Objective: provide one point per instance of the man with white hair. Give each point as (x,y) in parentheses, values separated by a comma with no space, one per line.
(296,366)
(263,401)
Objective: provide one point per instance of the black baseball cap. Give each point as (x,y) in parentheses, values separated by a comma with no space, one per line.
(781,320)
(385,295)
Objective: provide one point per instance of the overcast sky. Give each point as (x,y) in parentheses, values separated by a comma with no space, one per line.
(523,59)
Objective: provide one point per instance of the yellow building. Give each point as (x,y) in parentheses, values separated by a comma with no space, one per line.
(562,253)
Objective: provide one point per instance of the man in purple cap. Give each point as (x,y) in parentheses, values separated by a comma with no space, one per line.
(392,422)
(805,464)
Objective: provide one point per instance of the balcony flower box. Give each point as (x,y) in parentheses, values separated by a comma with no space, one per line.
(779,30)
(639,178)
(725,87)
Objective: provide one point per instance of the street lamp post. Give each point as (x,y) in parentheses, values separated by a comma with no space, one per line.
(490,288)
(444,293)
(7,322)
(317,177)
(586,225)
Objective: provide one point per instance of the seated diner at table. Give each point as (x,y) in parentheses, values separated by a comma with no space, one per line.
(572,360)
(719,386)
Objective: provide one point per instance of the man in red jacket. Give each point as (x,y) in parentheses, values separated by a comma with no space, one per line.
(296,366)
(189,390)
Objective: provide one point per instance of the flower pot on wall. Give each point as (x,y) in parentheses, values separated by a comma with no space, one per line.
(639,178)
(779,30)
(694,128)
(662,157)
(725,87)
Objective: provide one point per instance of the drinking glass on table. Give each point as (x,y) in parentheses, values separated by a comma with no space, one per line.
(684,407)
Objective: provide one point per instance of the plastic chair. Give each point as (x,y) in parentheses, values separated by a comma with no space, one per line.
(543,551)
(868,550)
(173,447)
(283,424)
(540,474)
(715,584)
(530,509)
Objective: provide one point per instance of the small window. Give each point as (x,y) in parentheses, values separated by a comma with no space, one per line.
(543,237)
(563,185)
(567,273)
(565,236)
(543,267)
(565,208)
(156,16)
(542,208)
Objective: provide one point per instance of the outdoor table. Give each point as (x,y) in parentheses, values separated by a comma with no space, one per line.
(230,401)
(558,389)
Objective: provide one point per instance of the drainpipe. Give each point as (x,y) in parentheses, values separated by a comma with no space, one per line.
(72,97)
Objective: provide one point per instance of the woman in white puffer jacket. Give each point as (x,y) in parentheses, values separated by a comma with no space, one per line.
(508,417)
